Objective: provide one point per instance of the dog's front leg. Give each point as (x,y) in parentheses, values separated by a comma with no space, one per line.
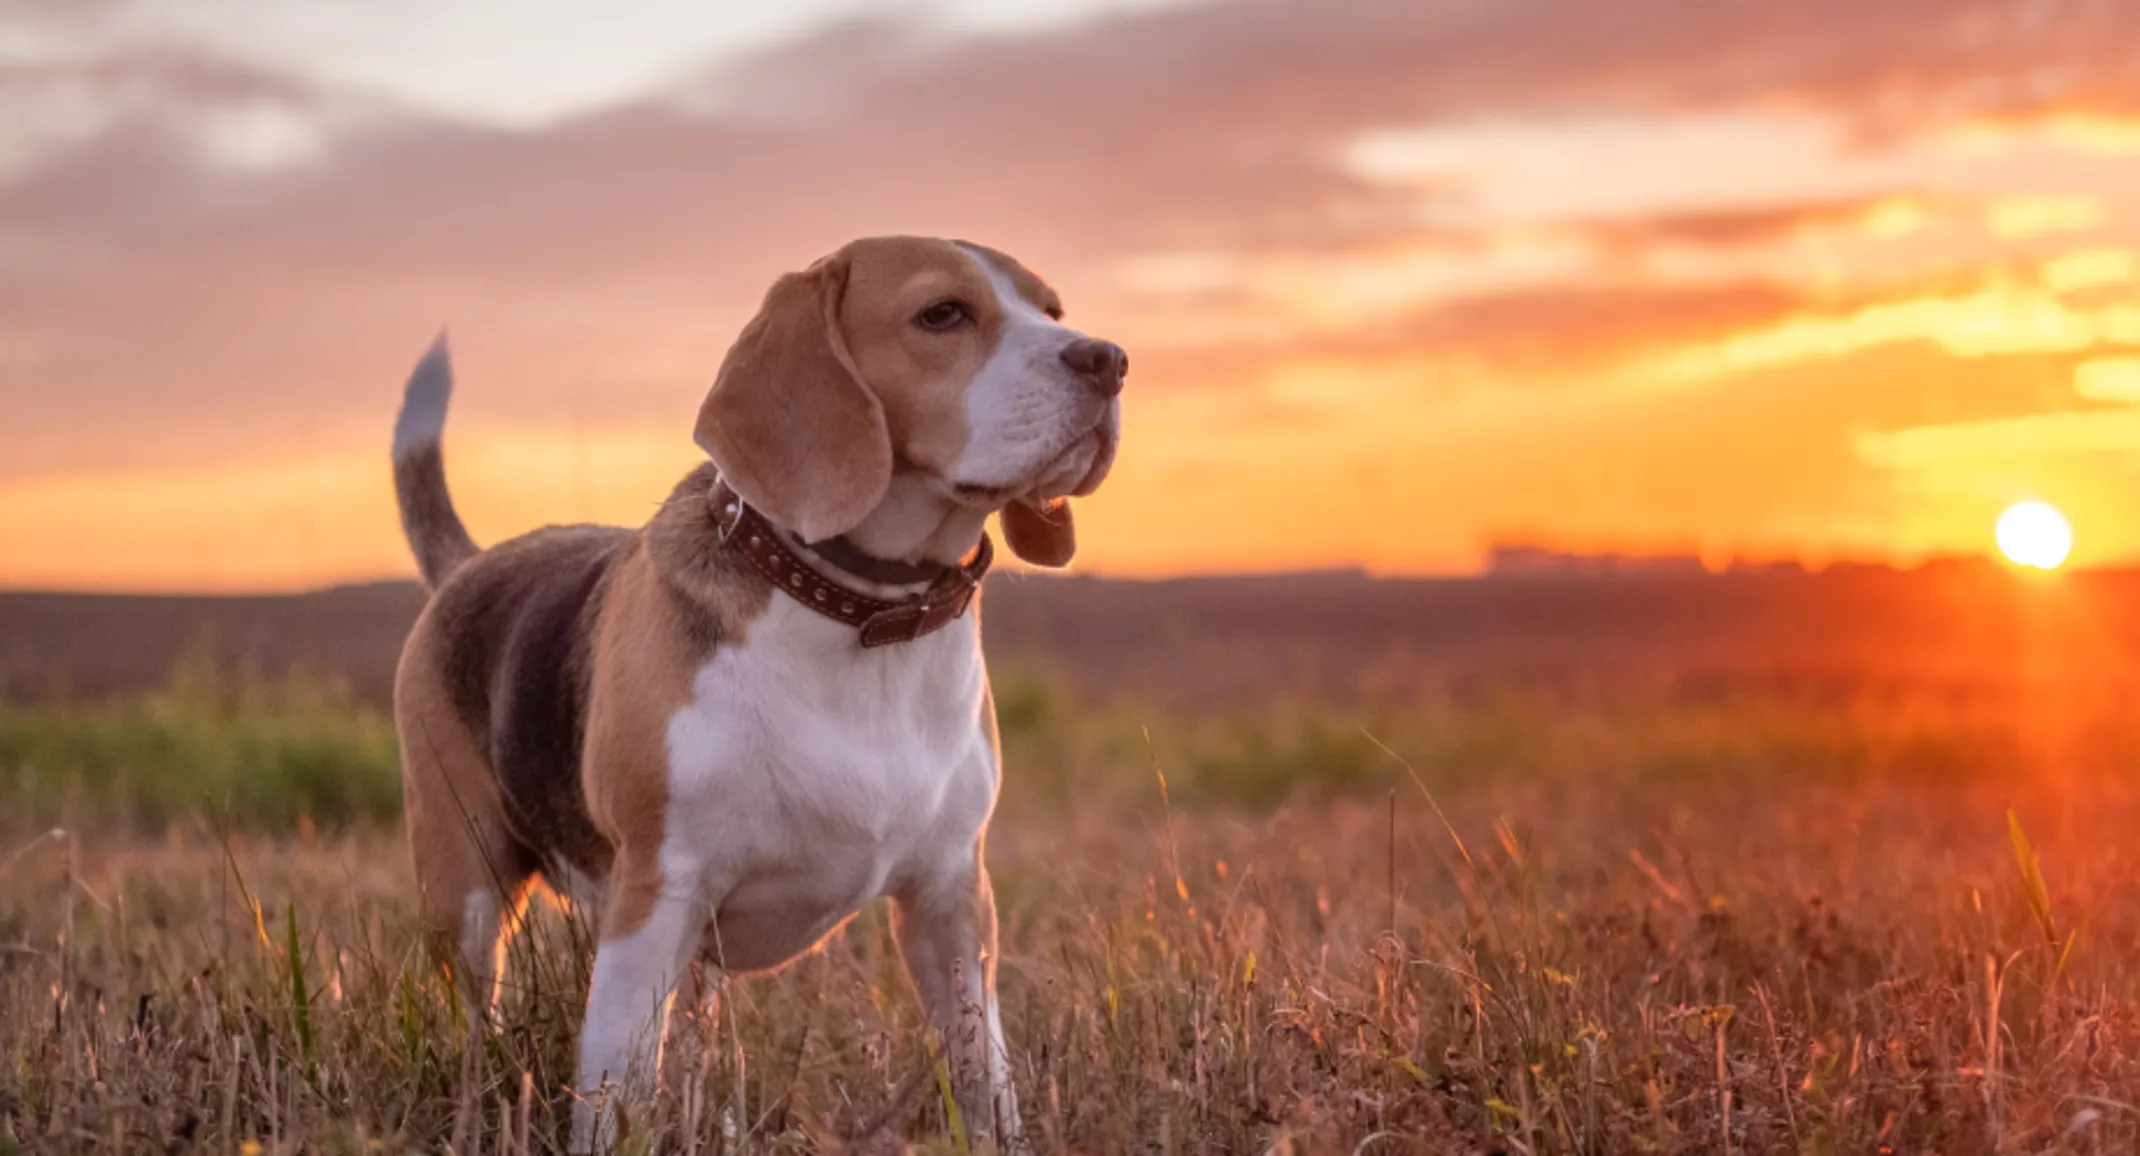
(644,948)
(947,933)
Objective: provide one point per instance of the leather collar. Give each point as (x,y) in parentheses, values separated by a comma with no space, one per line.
(880,622)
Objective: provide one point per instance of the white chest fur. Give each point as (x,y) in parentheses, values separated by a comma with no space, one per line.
(808,776)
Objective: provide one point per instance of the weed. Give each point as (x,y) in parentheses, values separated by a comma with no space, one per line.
(1694,925)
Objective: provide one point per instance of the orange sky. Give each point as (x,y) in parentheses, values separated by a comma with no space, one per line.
(1399,279)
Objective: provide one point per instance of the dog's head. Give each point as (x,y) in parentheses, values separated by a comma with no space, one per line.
(940,358)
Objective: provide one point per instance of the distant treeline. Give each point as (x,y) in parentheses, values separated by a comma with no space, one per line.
(1338,635)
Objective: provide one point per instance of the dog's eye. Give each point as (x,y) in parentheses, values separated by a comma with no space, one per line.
(944,315)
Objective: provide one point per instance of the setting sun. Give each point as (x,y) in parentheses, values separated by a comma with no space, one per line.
(2034,534)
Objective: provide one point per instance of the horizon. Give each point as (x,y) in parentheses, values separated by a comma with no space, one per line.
(1570,566)
(1399,283)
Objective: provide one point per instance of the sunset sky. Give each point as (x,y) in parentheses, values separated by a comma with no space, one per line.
(1399,280)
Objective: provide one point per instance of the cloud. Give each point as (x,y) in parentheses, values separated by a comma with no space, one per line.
(2115,379)
(1754,227)
(1217,123)
(2090,269)
(1996,318)
(2030,216)
(2092,421)
(2033,435)
(1589,325)
(202,260)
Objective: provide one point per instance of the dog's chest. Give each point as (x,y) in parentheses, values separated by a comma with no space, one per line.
(807,775)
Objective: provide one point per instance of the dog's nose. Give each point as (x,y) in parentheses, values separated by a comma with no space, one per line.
(1100,362)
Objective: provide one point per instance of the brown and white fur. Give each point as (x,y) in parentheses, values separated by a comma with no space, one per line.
(639,721)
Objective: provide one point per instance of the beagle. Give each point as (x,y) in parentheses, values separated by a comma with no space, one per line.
(725,731)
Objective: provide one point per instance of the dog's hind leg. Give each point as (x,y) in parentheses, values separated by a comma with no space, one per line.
(475,882)
(474,947)
(473,874)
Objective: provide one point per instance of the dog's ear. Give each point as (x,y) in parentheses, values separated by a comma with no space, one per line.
(789,422)
(1041,534)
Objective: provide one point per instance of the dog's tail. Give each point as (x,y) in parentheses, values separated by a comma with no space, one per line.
(434,530)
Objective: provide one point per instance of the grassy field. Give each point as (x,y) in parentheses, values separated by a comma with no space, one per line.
(1703,918)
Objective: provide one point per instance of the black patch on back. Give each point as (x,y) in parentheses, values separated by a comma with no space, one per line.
(517,664)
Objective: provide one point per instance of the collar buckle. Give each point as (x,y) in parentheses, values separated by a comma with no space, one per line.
(907,621)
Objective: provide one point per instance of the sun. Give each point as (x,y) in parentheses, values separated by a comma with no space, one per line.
(2034,534)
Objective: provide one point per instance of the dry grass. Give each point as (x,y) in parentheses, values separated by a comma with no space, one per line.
(1729,924)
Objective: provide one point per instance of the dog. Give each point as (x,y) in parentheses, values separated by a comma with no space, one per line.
(726,731)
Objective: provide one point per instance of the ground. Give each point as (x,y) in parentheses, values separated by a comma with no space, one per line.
(1698,918)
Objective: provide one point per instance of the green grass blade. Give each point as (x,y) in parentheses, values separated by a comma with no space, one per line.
(300,998)
(2032,886)
(952,1117)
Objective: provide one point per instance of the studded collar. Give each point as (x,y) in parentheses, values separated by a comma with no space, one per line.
(879,621)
